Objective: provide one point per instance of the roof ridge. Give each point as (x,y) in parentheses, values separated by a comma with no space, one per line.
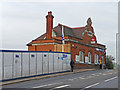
(64,26)
(78,27)
(70,27)
(40,36)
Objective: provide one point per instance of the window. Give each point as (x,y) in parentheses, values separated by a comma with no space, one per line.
(102,59)
(81,54)
(77,58)
(89,58)
(96,58)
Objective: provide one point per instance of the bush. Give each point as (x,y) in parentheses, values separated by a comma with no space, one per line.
(109,63)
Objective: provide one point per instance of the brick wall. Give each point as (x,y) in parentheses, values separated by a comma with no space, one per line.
(85,66)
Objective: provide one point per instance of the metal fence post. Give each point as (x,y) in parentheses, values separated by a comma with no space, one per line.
(29,63)
(2,65)
(62,62)
(53,62)
(13,66)
(42,63)
(48,62)
(36,62)
(58,62)
(21,63)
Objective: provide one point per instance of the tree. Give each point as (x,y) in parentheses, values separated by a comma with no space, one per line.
(109,63)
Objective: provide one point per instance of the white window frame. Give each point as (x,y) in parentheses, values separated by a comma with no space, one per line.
(81,56)
(77,58)
(89,58)
(96,58)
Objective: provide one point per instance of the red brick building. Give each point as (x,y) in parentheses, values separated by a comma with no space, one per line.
(81,42)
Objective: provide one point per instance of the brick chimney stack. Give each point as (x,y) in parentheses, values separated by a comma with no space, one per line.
(49,25)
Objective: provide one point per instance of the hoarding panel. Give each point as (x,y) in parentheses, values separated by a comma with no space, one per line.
(64,61)
(39,63)
(8,65)
(25,64)
(32,63)
(45,63)
(56,65)
(68,62)
(1,66)
(17,64)
(8,72)
(50,62)
(60,62)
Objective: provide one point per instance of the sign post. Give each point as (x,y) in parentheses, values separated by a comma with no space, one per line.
(63,42)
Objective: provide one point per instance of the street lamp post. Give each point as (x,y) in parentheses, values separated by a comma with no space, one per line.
(117,35)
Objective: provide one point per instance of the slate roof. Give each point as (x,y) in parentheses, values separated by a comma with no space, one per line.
(41,37)
(68,31)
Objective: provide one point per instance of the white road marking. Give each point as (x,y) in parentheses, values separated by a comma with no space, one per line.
(104,74)
(45,85)
(93,74)
(89,76)
(82,78)
(74,78)
(59,82)
(92,85)
(62,86)
(110,79)
(98,75)
(110,73)
(109,70)
(39,86)
(71,79)
(51,84)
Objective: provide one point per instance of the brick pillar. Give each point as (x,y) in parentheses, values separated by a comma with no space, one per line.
(49,25)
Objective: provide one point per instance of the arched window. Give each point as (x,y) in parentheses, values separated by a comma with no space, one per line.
(81,54)
(89,58)
(96,58)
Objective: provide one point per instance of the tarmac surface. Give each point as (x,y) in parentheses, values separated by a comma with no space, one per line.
(80,78)
(44,76)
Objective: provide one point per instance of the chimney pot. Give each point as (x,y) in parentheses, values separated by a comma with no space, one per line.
(49,13)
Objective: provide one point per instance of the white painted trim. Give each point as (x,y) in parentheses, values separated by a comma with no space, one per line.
(89,58)
(81,62)
(43,44)
(71,40)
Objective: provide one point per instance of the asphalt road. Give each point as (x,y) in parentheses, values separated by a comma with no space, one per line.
(82,80)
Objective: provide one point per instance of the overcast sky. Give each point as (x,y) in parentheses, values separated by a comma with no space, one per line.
(25,21)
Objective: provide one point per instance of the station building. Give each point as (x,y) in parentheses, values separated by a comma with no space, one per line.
(81,42)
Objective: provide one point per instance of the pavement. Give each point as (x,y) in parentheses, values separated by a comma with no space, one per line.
(44,76)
